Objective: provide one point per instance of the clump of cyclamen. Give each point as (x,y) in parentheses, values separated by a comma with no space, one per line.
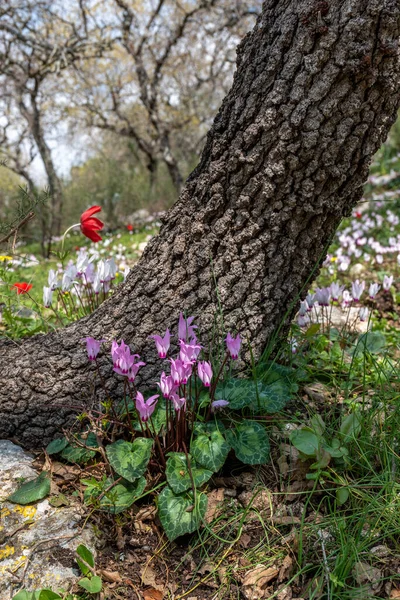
(182,367)
(324,297)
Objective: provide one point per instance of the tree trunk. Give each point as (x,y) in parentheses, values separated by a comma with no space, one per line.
(33,116)
(315,93)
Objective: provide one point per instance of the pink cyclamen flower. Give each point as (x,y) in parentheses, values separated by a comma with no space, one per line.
(166,385)
(322,296)
(189,352)
(373,290)
(205,373)
(145,408)
(178,403)
(162,343)
(218,404)
(177,371)
(133,371)
(357,289)
(180,371)
(363,313)
(92,347)
(387,282)
(123,360)
(233,345)
(185,327)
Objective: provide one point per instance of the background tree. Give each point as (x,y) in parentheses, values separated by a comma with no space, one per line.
(314,95)
(170,67)
(38,40)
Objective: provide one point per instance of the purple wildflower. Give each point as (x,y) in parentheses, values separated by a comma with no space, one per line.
(218,404)
(162,343)
(166,385)
(233,345)
(179,403)
(92,347)
(205,373)
(185,328)
(145,408)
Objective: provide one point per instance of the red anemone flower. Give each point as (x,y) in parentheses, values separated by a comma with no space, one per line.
(129,227)
(91,225)
(22,288)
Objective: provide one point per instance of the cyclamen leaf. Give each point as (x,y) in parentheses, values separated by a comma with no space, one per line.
(130,459)
(178,476)
(210,450)
(122,496)
(250,442)
(76,454)
(179,514)
(57,445)
(238,392)
(272,397)
(32,491)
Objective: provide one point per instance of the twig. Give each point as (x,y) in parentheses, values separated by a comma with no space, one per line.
(15,229)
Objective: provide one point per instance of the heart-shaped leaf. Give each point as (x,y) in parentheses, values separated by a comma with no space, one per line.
(121,496)
(210,450)
(130,459)
(272,397)
(305,440)
(77,454)
(238,392)
(269,397)
(250,442)
(33,490)
(178,475)
(57,445)
(93,585)
(180,514)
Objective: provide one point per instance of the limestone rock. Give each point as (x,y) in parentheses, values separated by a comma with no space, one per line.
(38,541)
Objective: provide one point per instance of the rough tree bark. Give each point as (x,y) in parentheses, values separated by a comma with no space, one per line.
(315,93)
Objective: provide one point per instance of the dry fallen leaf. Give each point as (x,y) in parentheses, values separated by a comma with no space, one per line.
(245,540)
(147,513)
(260,576)
(67,472)
(394,594)
(286,569)
(215,502)
(111,576)
(152,594)
(149,578)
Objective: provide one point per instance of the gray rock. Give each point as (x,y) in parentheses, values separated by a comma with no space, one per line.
(38,541)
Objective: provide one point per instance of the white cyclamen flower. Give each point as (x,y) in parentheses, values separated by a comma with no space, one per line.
(357,289)
(53,280)
(373,290)
(387,282)
(47,296)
